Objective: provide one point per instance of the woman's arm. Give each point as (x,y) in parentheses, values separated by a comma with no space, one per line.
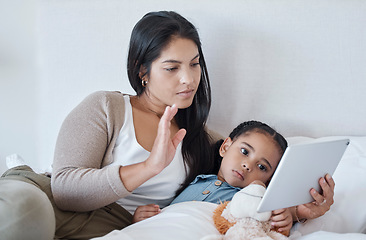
(81,179)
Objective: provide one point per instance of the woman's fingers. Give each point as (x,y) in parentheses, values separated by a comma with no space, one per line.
(169,113)
(164,145)
(165,122)
(178,137)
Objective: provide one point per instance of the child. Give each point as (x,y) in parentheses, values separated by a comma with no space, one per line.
(251,152)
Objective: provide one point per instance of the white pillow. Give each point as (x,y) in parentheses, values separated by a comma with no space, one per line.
(348,213)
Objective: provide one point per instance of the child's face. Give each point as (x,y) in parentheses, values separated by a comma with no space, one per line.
(252,156)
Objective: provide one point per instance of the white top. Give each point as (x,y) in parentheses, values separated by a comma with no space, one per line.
(158,190)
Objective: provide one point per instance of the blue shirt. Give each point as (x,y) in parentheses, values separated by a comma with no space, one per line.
(207,188)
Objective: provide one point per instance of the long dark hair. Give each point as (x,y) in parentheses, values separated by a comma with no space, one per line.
(246,127)
(149,37)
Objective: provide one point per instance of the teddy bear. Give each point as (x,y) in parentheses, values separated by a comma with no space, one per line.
(238,219)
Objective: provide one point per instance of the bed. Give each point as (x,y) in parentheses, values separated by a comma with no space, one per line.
(298,65)
(345,220)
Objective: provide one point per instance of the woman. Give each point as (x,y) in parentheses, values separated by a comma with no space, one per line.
(116,152)
(164,68)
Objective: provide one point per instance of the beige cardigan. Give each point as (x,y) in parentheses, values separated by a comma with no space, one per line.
(81,177)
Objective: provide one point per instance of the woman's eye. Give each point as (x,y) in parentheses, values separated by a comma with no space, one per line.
(262,167)
(170,69)
(244,151)
(195,64)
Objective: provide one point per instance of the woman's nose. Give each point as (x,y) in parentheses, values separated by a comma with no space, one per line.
(187,77)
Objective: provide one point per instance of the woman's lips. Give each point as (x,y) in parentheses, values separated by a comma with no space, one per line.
(186,93)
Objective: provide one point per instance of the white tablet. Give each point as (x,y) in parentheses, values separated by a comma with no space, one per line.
(300,168)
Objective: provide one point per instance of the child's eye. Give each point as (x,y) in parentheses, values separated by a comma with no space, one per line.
(262,167)
(244,151)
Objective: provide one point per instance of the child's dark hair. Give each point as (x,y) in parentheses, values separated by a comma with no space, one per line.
(246,127)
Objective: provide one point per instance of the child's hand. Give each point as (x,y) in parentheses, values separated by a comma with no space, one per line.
(321,203)
(282,221)
(144,212)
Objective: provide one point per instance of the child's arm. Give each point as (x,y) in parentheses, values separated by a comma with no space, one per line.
(282,221)
(144,212)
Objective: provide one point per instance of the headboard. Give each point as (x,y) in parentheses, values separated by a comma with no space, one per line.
(297,65)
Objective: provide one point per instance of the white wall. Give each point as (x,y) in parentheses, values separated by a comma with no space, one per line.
(18,79)
(295,64)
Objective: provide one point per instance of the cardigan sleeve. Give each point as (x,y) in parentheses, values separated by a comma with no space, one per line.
(81,178)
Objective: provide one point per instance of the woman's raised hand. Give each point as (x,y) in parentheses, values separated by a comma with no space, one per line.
(165,146)
(161,155)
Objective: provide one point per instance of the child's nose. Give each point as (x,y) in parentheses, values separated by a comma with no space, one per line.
(247,167)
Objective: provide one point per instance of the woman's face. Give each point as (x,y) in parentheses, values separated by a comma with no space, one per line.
(252,156)
(175,75)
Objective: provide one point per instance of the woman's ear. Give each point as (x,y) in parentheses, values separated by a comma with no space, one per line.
(225,146)
(143,72)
